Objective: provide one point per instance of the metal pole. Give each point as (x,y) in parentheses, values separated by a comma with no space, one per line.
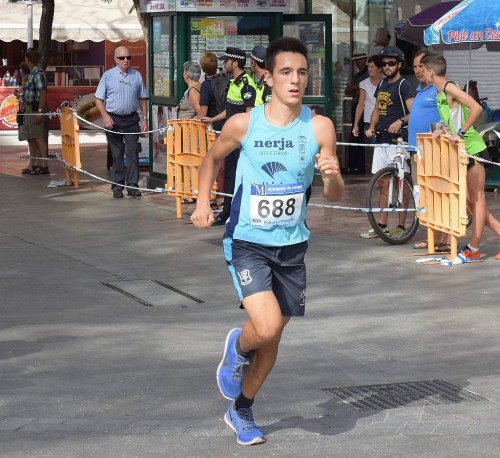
(30,25)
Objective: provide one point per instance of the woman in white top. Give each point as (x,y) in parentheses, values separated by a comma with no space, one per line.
(366,102)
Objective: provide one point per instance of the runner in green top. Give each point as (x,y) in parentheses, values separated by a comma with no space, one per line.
(458,112)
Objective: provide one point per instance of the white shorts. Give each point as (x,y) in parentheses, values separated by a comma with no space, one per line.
(383,156)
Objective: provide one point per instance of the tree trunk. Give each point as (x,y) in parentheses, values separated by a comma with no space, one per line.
(45,40)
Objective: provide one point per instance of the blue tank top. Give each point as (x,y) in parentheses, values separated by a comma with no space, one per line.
(273,181)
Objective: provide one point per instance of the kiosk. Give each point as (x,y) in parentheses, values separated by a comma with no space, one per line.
(181,30)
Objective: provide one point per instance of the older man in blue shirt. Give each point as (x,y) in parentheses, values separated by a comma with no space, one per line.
(119,93)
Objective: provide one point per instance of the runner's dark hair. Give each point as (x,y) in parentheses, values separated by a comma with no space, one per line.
(283,44)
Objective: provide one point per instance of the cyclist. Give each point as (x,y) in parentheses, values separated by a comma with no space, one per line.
(394,96)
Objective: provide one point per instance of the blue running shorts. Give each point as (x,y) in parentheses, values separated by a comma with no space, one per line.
(256,268)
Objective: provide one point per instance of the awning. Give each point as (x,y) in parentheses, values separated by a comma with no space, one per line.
(74,20)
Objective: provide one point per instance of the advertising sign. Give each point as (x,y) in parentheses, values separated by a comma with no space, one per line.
(156,6)
(214,6)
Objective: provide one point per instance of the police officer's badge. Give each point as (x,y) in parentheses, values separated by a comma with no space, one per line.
(247,95)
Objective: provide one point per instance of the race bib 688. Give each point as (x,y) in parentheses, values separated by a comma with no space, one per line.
(276,204)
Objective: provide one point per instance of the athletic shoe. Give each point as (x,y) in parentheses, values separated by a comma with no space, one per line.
(497,257)
(398,232)
(243,425)
(232,368)
(371,234)
(466,255)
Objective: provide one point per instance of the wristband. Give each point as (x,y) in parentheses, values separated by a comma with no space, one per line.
(460,133)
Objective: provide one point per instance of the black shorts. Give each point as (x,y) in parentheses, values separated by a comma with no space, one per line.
(483,155)
(256,268)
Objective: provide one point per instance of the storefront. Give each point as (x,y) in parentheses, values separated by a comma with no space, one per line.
(84,39)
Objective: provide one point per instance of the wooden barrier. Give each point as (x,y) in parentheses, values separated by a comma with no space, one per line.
(70,144)
(442,181)
(187,143)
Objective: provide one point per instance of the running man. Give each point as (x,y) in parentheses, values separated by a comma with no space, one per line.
(266,235)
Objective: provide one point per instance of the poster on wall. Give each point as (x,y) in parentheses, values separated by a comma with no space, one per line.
(313,36)
(160,116)
(137,51)
(80,98)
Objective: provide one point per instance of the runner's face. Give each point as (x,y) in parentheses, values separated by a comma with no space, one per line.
(289,77)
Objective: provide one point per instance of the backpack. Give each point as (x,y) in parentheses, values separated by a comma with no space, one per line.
(219,89)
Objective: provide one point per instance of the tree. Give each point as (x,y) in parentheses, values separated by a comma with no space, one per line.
(47,19)
(45,31)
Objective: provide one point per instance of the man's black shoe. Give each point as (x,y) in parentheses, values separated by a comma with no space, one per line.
(134,192)
(219,222)
(117,193)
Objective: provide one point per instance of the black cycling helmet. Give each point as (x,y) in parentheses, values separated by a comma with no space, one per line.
(392,51)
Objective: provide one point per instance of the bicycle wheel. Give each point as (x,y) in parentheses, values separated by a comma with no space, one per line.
(383,192)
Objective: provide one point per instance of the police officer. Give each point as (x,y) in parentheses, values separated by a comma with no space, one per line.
(258,56)
(240,98)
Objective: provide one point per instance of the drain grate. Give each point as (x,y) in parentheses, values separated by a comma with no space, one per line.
(216,242)
(391,396)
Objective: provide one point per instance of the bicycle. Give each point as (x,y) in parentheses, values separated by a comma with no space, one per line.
(392,187)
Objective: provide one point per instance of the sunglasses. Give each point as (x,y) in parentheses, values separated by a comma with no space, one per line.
(123,57)
(391,63)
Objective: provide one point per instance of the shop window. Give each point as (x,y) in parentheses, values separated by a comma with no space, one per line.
(215,34)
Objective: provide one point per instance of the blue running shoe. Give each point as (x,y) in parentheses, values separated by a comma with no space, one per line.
(242,423)
(232,367)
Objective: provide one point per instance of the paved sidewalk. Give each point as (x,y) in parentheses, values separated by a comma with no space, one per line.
(114,313)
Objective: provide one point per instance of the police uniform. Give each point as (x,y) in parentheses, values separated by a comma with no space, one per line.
(263,92)
(240,95)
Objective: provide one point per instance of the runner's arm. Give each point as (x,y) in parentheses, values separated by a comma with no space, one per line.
(229,139)
(326,159)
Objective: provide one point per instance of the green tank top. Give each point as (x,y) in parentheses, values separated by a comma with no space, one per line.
(474,144)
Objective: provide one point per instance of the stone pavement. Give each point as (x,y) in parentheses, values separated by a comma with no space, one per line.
(113,316)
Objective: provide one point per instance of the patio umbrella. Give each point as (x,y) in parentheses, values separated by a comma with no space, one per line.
(471,21)
(476,22)
(413,29)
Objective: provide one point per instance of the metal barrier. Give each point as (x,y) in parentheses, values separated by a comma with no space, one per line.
(441,177)
(188,141)
(70,144)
